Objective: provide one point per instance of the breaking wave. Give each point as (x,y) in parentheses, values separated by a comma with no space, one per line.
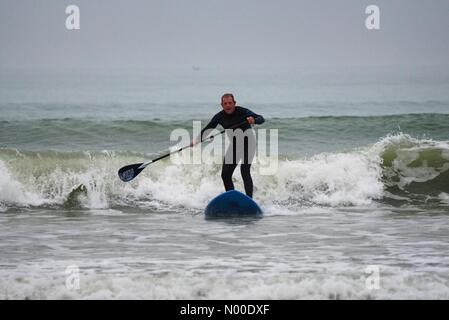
(398,169)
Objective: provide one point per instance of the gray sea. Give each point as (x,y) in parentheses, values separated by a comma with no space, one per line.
(358,207)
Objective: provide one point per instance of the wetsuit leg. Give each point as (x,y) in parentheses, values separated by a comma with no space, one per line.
(232,159)
(226,174)
(245,170)
(229,165)
(245,167)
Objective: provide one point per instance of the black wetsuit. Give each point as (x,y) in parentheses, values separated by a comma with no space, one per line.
(234,151)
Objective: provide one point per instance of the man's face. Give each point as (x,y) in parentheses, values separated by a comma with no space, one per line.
(228,105)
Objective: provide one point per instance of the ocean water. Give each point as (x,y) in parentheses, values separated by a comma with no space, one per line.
(362,184)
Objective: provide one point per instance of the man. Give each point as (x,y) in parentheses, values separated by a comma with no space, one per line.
(236,117)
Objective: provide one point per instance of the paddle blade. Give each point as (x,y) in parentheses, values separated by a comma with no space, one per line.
(129,172)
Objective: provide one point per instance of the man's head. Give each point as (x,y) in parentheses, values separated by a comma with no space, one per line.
(228,103)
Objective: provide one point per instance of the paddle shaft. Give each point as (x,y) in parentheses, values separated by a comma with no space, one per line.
(180,149)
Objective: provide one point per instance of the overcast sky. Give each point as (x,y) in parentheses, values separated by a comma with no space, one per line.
(287,33)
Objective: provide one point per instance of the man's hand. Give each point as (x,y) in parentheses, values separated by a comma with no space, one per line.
(250,120)
(193,142)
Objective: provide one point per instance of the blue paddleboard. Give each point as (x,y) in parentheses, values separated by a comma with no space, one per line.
(232,203)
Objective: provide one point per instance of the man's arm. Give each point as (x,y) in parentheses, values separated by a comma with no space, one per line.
(211,125)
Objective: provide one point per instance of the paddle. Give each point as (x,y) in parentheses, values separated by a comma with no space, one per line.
(129,172)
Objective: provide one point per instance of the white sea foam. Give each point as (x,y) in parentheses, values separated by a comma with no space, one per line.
(328,179)
(396,284)
(12,192)
(325,180)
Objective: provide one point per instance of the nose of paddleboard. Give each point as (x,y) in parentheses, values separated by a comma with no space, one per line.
(232,203)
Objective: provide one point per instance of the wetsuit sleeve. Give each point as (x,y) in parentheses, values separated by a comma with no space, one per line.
(258,119)
(211,125)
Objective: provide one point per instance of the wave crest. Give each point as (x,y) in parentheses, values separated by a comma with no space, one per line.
(396,168)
